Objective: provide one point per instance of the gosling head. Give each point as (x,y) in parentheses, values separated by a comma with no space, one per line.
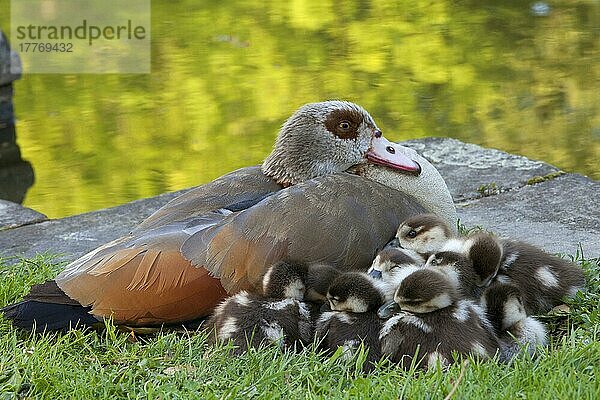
(424,291)
(354,292)
(390,261)
(285,280)
(424,234)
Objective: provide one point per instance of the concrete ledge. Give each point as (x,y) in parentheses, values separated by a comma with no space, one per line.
(556,214)
(71,237)
(13,215)
(467,168)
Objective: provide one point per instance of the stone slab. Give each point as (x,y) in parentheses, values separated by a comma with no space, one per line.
(13,215)
(556,215)
(466,167)
(74,236)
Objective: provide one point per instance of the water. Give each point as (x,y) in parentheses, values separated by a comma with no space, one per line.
(225,76)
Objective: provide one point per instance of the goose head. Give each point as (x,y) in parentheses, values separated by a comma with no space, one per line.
(330,137)
(337,136)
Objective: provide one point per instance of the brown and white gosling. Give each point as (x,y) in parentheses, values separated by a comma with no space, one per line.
(353,299)
(249,320)
(424,234)
(516,331)
(429,321)
(293,280)
(502,303)
(462,271)
(544,280)
(278,316)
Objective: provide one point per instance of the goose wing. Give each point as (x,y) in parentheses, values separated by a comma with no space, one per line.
(339,219)
(234,191)
(142,278)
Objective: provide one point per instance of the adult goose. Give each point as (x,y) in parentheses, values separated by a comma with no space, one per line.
(333,190)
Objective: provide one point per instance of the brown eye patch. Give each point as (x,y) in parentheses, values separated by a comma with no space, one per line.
(344,123)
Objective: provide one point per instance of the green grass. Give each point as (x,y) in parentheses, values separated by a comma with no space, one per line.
(114,364)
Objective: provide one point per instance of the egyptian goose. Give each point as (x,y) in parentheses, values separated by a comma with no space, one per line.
(333,190)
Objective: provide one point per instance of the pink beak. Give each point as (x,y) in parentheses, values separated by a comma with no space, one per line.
(384,152)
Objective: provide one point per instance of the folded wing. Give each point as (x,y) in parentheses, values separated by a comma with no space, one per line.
(142,278)
(341,219)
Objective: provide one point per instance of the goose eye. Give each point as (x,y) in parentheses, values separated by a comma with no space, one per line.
(394,267)
(411,234)
(344,126)
(434,261)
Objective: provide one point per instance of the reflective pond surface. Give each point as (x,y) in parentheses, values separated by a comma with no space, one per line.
(226,74)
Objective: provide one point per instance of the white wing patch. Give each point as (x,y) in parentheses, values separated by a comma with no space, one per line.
(279,305)
(462,311)
(228,329)
(546,277)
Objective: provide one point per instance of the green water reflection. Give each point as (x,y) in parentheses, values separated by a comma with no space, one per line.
(226,74)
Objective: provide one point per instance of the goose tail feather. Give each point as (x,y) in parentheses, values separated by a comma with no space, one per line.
(47,308)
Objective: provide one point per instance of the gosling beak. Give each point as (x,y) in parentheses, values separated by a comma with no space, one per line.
(384,152)
(325,307)
(388,309)
(395,243)
(373,273)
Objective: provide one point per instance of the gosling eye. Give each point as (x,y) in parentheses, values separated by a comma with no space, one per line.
(344,126)
(394,267)
(434,261)
(411,234)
